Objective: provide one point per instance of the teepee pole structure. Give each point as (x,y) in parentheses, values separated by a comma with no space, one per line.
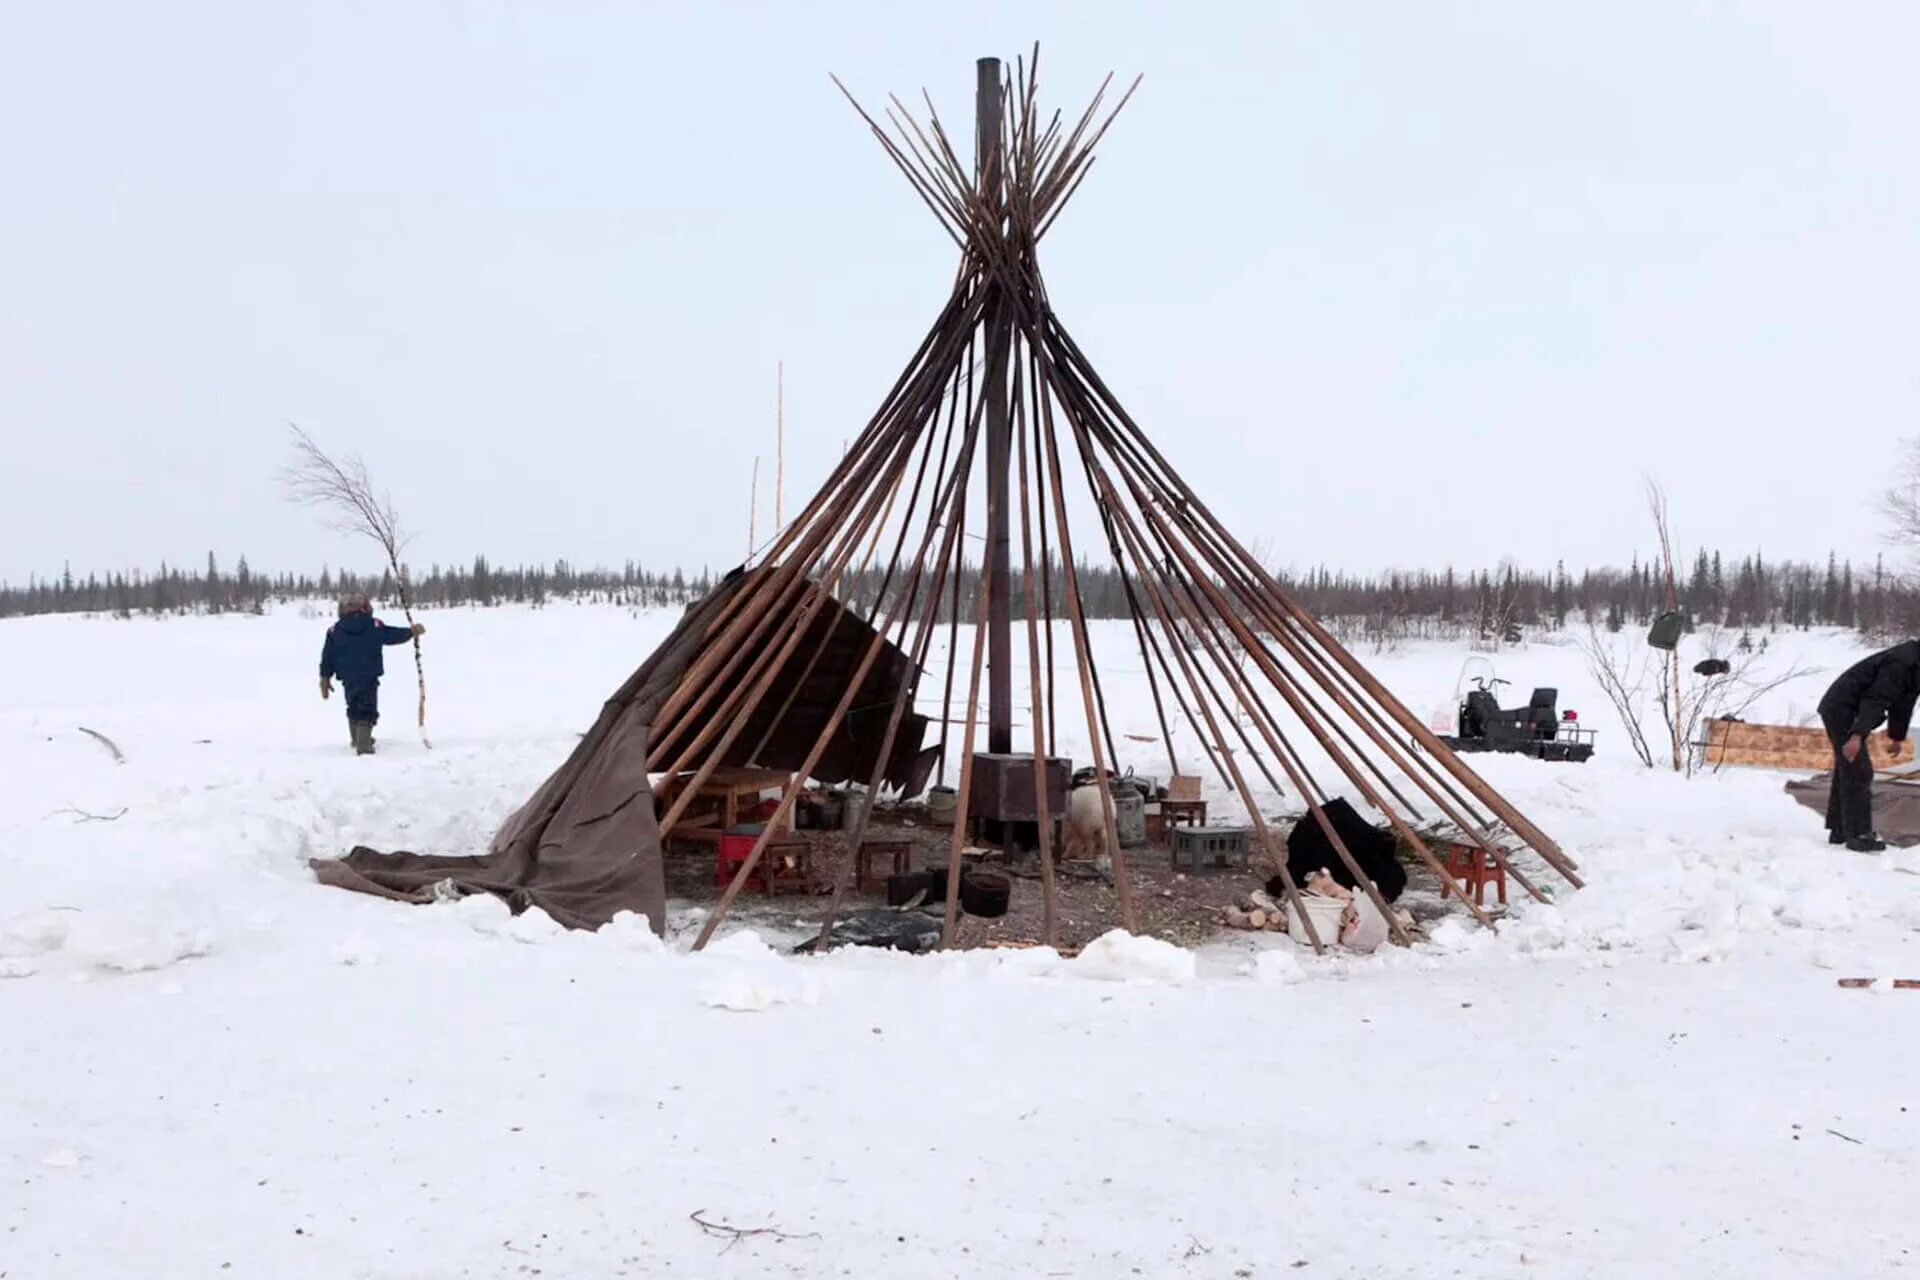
(1000,416)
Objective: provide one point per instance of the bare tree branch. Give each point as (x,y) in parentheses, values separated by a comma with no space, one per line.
(1901,502)
(81,815)
(344,493)
(106,742)
(1624,679)
(734,1235)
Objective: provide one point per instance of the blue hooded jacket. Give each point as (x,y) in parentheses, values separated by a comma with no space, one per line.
(352,650)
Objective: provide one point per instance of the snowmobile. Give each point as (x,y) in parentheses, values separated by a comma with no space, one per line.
(1538,729)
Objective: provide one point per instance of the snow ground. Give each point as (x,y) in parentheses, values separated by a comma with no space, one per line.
(214,1066)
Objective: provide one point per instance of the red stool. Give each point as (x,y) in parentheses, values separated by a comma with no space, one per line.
(1475,868)
(736,846)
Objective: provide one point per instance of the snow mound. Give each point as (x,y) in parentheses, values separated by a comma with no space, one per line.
(486,914)
(1278,964)
(1822,904)
(1454,934)
(32,932)
(755,991)
(535,925)
(136,944)
(631,931)
(1119,956)
(742,945)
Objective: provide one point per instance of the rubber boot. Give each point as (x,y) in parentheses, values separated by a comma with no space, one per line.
(362,738)
(1867,844)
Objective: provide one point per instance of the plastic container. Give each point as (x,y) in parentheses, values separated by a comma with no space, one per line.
(1325,914)
(1667,629)
(941,804)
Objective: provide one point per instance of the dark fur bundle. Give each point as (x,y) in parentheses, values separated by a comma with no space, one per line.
(1374,848)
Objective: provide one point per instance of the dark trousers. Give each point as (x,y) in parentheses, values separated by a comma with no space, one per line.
(1850,800)
(363,703)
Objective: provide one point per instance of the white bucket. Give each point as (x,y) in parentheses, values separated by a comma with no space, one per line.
(1325,914)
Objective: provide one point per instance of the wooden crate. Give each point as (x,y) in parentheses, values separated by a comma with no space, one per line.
(1781,746)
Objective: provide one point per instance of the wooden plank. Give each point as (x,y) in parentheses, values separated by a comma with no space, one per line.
(1780,746)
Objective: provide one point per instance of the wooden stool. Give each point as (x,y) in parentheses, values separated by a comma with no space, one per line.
(899,852)
(787,866)
(1474,867)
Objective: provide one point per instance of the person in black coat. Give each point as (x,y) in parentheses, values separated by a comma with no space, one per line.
(353,651)
(1880,689)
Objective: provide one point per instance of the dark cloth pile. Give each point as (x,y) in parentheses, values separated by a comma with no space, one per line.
(914,932)
(1374,848)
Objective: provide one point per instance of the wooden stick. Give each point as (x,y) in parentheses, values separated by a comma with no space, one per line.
(833,721)
(1042,802)
(923,638)
(780,445)
(1429,742)
(1077,614)
(962,801)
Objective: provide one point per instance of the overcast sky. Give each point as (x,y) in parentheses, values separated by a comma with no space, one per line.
(1394,284)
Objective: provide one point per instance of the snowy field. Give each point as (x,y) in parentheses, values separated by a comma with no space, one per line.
(213,1066)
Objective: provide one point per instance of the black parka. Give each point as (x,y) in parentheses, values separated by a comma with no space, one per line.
(1876,690)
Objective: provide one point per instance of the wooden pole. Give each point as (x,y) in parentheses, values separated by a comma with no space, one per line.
(1042,805)
(996,578)
(833,722)
(780,445)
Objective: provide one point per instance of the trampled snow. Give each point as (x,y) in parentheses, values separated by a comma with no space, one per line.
(215,1066)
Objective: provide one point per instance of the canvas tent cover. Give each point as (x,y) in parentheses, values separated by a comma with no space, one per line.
(587,845)
(1896,805)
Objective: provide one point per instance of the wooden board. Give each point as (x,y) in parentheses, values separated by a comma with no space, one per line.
(1781,746)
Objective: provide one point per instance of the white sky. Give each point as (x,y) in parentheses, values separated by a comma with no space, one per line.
(1394,284)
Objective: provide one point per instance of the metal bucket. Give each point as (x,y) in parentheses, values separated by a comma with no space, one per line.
(1129,816)
(854,810)
(941,802)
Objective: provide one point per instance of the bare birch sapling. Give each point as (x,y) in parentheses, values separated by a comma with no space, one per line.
(343,492)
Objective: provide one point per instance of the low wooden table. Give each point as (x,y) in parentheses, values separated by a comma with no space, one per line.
(729,787)
(1184,813)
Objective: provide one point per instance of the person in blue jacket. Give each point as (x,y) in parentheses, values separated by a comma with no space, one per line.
(353,652)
